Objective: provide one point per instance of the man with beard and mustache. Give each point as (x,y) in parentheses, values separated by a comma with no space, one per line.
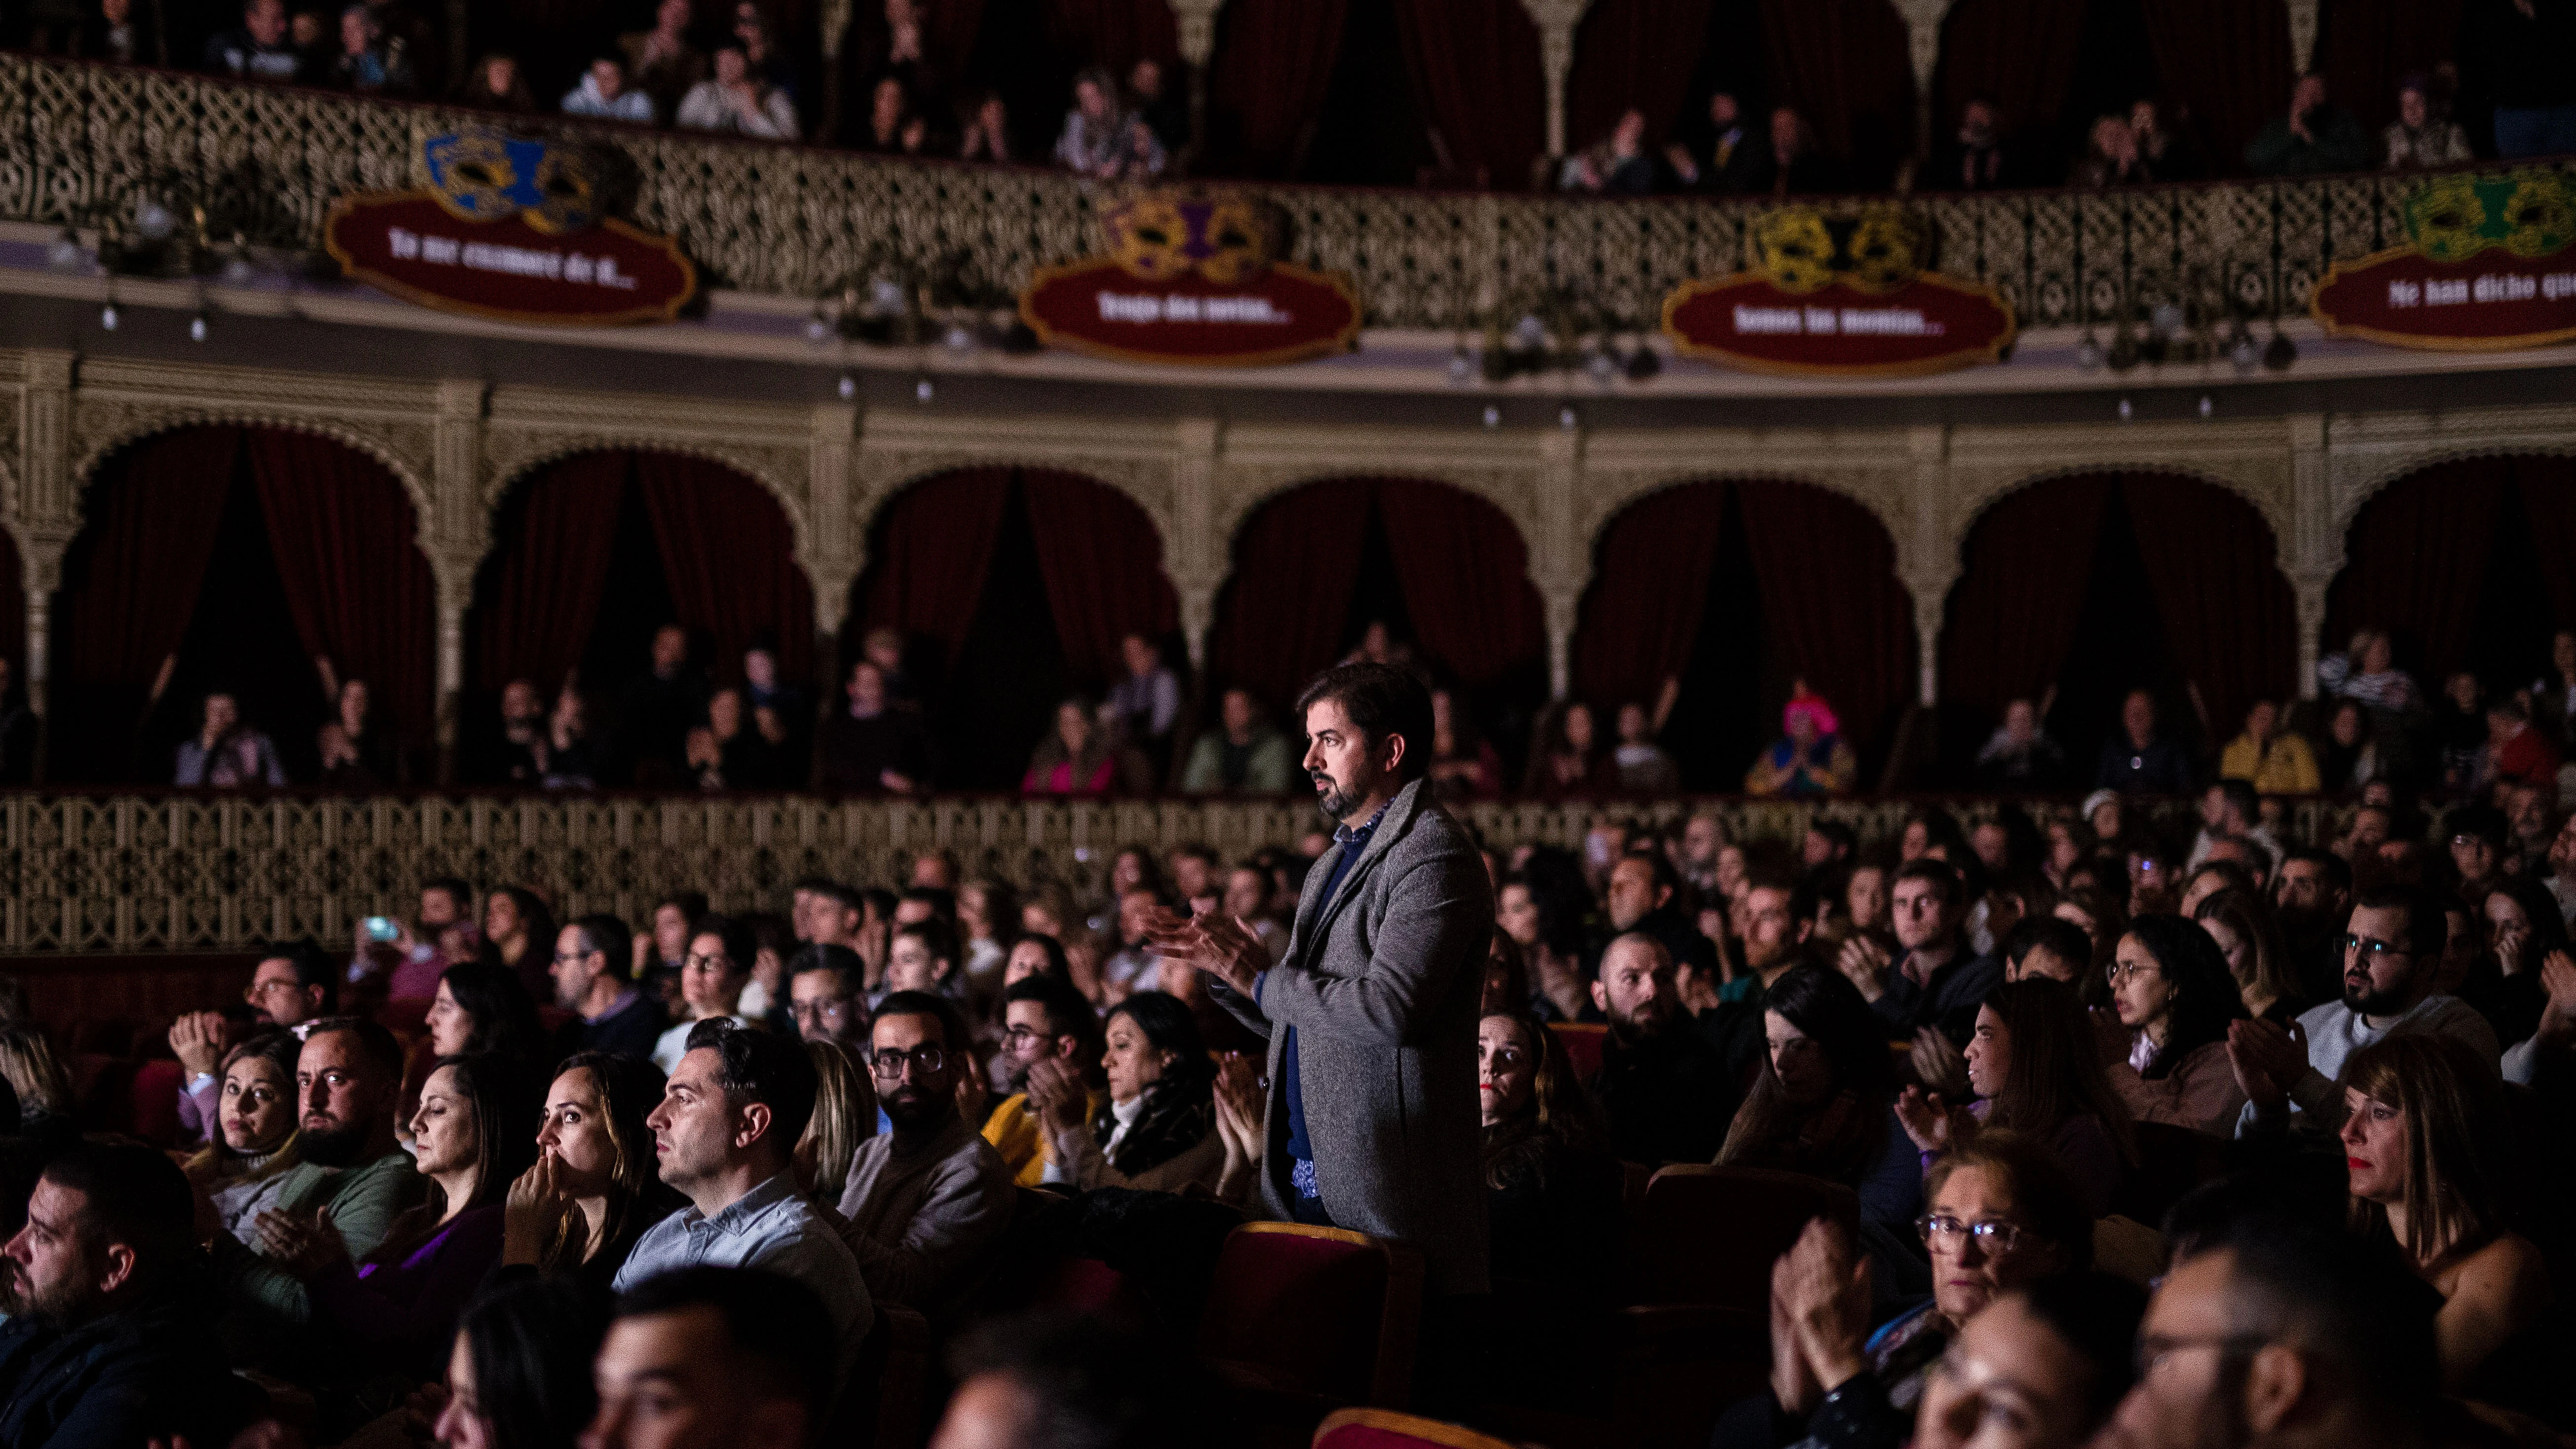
(2313,893)
(593,981)
(348,1079)
(1663,1087)
(2392,953)
(1044,1020)
(928,1201)
(2273,1335)
(105,1345)
(1643,896)
(823,997)
(1371,1006)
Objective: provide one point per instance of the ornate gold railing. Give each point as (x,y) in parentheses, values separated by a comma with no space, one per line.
(204,872)
(76,138)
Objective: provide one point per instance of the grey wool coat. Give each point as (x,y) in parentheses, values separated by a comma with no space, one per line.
(1382,985)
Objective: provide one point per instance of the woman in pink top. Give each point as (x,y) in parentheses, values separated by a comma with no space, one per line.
(1077,759)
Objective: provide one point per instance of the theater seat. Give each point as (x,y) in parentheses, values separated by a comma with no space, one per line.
(1708,1235)
(1386,1429)
(405,1015)
(1302,1320)
(102,1093)
(2172,1160)
(1582,1043)
(156,1101)
(889,1389)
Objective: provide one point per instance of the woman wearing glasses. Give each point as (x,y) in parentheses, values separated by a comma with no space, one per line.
(2002,1216)
(2174,996)
(2426,1149)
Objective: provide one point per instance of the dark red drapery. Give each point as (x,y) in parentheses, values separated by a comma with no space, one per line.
(1844,64)
(1295,564)
(932,547)
(2229,615)
(2365,46)
(1266,83)
(2416,557)
(2013,613)
(1649,591)
(2548,488)
(1641,53)
(2019,54)
(147,536)
(1102,562)
(348,554)
(1117,33)
(541,596)
(1831,601)
(1476,79)
(1465,575)
(729,556)
(2228,61)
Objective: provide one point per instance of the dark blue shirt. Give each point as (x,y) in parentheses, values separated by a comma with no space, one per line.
(1352,842)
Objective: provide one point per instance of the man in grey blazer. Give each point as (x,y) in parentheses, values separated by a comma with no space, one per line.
(1371,1008)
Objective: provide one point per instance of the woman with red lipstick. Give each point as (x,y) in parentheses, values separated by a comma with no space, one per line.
(2424,1141)
(2175,996)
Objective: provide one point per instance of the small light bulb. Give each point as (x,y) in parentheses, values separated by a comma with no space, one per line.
(66,255)
(922,391)
(1603,366)
(849,387)
(2124,410)
(817,327)
(107,317)
(1566,419)
(2206,407)
(959,337)
(197,328)
(1462,367)
(1493,416)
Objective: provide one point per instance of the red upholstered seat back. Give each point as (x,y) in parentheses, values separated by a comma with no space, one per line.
(1300,1308)
(405,1015)
(1582,1044)
(1387,1429)
(102,1093)
(1710,1234)
(156,1102)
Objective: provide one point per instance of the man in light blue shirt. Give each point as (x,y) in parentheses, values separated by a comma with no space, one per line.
(725,1134)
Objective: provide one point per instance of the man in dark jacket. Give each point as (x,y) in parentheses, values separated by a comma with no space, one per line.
(109,1340)
(1663,1086)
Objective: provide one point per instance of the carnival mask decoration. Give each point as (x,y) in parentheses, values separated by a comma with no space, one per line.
(1164,235)
(2528,213)
(1802,250)
(483,175)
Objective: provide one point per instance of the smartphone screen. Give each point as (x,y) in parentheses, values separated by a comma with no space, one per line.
(381,928)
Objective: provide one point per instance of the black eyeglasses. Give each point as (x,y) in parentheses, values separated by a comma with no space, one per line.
(890,1063)
(2371,950)
(1940,1230)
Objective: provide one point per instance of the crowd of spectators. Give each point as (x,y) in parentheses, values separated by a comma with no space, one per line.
(491,1166)
(730,70)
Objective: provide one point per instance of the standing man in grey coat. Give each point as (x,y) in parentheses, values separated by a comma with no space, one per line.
(1371,1009)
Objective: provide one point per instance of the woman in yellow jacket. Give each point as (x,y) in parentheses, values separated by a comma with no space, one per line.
(2275,761)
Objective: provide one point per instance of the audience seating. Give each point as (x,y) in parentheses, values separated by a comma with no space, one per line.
(2172,1161)
(1386,1429)
(889,1402)
(1708,1235)
(1302,1320)
(157,1084)
(1582,1042)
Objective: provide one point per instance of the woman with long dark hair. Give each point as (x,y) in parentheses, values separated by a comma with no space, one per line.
(482,1010)
(1551,1191)
(2036,1069)
(2175,996)
(519,1375)
(396,1311)
(1156,1128)
(519,932)
(1823,1102)
(243,1165)
(2522,926)
(595,1186)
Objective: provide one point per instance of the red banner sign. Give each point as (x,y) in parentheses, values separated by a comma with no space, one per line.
(1931,323)
(1283,313)
(409,244)
(2490,301)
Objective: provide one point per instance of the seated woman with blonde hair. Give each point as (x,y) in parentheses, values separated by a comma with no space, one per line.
(2427,1156)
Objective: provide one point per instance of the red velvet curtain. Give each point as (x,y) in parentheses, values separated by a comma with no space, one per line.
(1116,33)
(2013,612)
(932,548)
(730,558)
(2416,558)
(2229,61)
(1465,575)
(348,554)
(147,536)
(1476,78)
(1649,590)
(2019,54)
(541,596)
(2365,46)
(1844,64)
(1266,83)
(1295,564)
(2548,488)
(2228,614)
(1102,562)
(1641,53)
(949,30)
(1831,601)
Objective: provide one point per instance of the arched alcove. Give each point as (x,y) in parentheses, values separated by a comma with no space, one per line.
(2467,565)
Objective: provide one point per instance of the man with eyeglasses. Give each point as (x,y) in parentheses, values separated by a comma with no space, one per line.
(2478,834)
(290,985)
(823,997)
(591,972)
(2392,956)
(725,1136)
(2273,1335)
(1047,1021)
(927,1201)
(714,968)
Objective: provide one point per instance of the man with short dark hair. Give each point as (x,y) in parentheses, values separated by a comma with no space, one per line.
(876,745)
(1663,1088)
(259,48)
(1044,1019)
(823,996)
(2230,810)
(923,957)
(1938,982)
(2477,834)
(715,1358)
(1245,755)
(106,1346)
(2312,891)
(726,1136)
(1771,929)
(1055,1380)
(1644,896)
(926,1202)
(225,752)
(1371,1006)
(291,984)
(590,971)
(2392,956)
(2047,946)
(348,1084)
(2136,760)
